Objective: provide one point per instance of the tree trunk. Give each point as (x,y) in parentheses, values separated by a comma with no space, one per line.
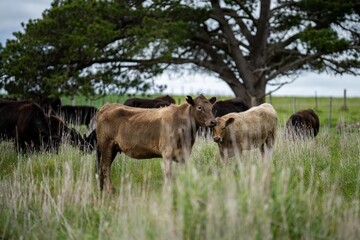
(253,95)
(258,92)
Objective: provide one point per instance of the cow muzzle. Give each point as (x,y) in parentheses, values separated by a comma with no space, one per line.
(212,123)
(217,139)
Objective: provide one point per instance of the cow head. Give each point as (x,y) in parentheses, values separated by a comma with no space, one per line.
(202,110)
(220,128)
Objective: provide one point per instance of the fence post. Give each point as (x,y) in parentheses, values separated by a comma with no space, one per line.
(316,101)
(330,111)
(270,98)
(344,106)
(294,104)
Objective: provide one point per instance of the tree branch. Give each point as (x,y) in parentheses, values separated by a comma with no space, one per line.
(243,28)
(247,11)
(280,85)
(234,50)
(292,65)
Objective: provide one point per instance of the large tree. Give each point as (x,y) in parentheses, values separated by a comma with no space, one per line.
(91,46)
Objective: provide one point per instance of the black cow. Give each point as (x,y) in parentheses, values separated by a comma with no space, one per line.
(78,115)
(222,108)
(302,124)
(25,123)
(146,103)
(166,98)
(51,105)
(59,129)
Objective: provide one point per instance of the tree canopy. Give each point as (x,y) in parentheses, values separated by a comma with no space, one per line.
(88,47)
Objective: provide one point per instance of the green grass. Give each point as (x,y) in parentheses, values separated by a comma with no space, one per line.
(310,190)
(285,106)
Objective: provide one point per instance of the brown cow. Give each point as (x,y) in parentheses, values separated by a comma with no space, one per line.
(302,124)
(254,128)
(149,133)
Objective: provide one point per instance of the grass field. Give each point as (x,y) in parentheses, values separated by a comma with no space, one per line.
(310,190)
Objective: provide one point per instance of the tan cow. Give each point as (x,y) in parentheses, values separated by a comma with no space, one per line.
(167,132)
(254,128)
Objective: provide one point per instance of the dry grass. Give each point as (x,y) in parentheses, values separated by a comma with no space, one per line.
(310,190)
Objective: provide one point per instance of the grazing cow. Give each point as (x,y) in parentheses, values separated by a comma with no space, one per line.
(149,133)
(51,105)
(302,124)
(254,128)
(78,115)
(228,106)
(60,130)
(166,98)
(145,103)
(26,123)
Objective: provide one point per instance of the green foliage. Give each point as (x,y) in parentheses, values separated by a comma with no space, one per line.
(88,47)
(100,47)
(324,40)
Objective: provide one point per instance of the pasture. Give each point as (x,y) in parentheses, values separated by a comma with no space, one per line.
(310,189)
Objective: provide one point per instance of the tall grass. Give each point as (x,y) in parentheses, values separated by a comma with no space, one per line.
(310,190)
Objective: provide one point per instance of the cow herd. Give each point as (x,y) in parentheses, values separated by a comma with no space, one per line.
(40,126)
(149,128)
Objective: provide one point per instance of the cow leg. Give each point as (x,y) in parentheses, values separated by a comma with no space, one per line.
(267,148)
(21,146)
(97,163)
(167,168)
(223,156)
(105,169)
(262,151)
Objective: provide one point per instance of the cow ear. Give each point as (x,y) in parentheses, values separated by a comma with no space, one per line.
(190,100)
(229,121)
(212,100)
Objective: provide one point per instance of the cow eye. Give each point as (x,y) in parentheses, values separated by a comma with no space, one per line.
(223,128)
(199,108)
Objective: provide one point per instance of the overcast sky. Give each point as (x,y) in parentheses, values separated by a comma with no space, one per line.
(14,12)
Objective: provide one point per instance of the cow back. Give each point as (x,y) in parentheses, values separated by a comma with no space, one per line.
(146,103)
(166,98)
(222,108)
(303,123)
(134,128)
